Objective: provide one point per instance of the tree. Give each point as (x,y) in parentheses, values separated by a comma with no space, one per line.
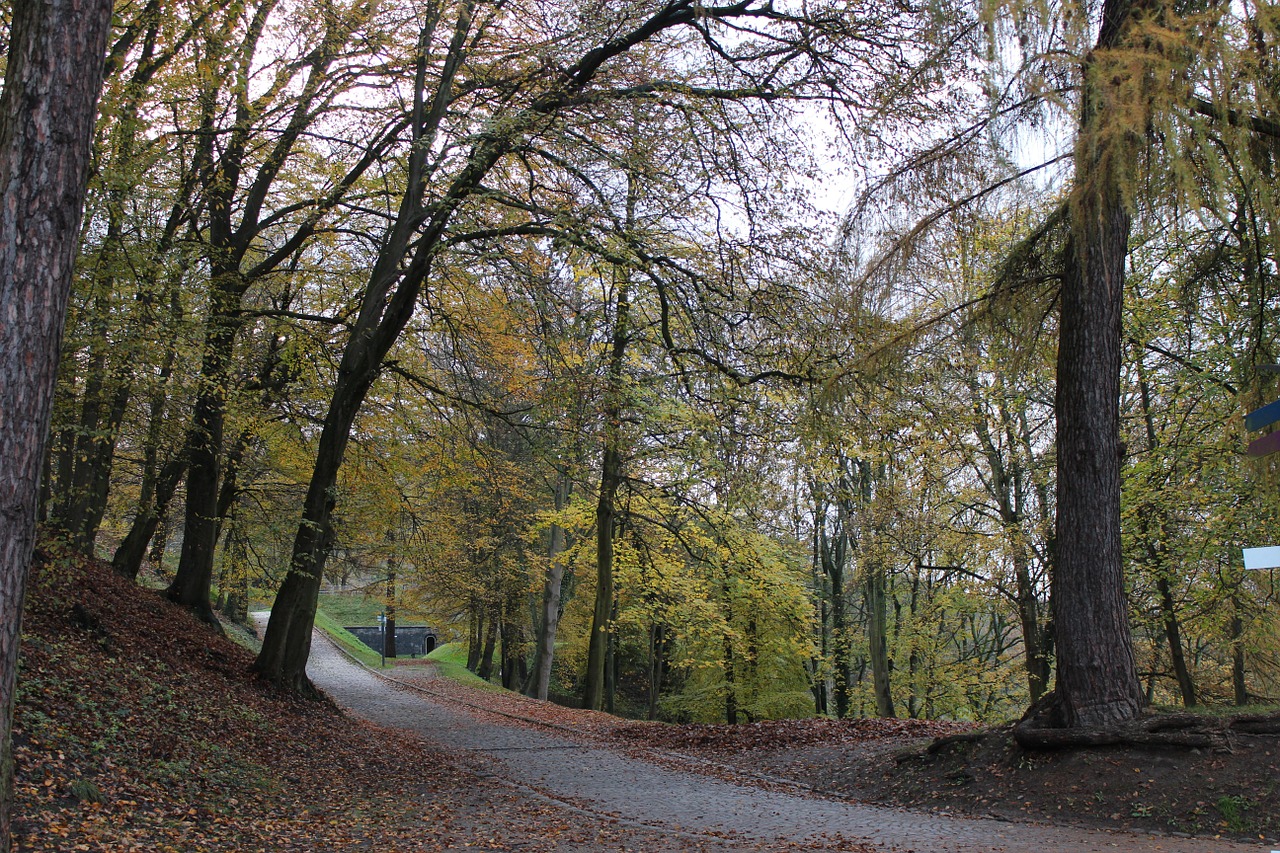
(251,230)
(1097,679)
(590,70)
(51,86)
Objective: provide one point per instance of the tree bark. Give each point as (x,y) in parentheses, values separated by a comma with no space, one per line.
(832,556)
(877,638)
(475,630)
(657,666)
(544,653)
(1097,680)
(51,87)
(1239,688)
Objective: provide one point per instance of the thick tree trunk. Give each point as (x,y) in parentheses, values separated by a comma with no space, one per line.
(475,632)
(514,667)
(841,646)
(51,86)
(818,678)
(1173,635)
(1238,686)
(1097,681)
(194,579)
(657,666)
(286,644)
(611,666)
(593,687)
(728,662)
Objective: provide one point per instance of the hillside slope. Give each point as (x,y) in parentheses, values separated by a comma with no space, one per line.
(139,729)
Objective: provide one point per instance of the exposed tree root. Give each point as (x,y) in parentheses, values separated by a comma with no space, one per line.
(942,743)
(1041,729)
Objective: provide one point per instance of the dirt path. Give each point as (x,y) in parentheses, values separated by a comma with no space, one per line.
(605,782)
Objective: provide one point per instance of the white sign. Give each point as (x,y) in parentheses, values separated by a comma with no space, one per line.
(1262,558)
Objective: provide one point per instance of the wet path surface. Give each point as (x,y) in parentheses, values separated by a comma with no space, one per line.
(604,781)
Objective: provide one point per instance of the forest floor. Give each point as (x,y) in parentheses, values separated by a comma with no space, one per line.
(137,728)
(1180,792)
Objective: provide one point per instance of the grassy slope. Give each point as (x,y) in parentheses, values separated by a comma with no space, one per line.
(347,640)
(137,729)
(451,662)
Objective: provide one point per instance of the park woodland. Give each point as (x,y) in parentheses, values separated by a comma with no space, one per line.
(697,362)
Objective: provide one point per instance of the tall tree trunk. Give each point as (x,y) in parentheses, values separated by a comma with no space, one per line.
(51,85)
(151,513)
(286,644)
(832,556)
(877,639)
(485,669)
(389,647)
(728,663)
(1238,686)
(611,666)
(549,621)
(475,632)
(193,581)
(1097,681)
(657,666)
(606,511)
(385,308)
(822,589)
(514,668)
(1173,635)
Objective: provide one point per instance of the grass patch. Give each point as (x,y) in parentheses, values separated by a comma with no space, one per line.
(451,661)
(347,640)
(358,608)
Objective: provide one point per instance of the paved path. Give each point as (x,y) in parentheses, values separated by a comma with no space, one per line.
(601,780)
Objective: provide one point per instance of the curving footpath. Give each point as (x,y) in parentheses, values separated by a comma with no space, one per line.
(605,782)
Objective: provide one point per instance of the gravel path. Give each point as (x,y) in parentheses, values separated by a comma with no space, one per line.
(605,782)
